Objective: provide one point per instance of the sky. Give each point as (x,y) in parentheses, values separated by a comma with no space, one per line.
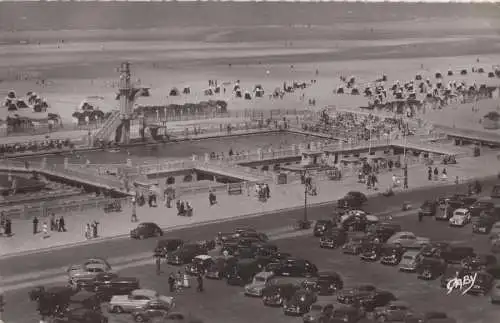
(413,1)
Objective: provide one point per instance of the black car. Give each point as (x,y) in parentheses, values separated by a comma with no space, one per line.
(431,268)
(378,298)
(479,262)
(199,265)
(116,286)
(220,267)
(356,222)
(242,272)
(230,247)
(347,314)
(322,226)
(82,315)
(482,284)
(300,303)
(480,206)
(391,254)
(455,254)
(278,294)
(357,244)
(434,249)
(353,200)
(102,278)
(483,224)
(350,295)
(428,208)
(333,239)
(165,246)
(295,267)
(146,230)
(372,252)
(185,254)
(447,207)
(452,272)
(383,231)
(327,283)
(223,237)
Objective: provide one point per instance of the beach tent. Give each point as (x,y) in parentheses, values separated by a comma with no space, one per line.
(418,77)
(248,96)
(21,104)
(217,89)
(340,90)
(11,94)
(491,74)
(450,73)
(354,91)
(186,90)
(463,72)
(174,92)
(480,70)
(237,93)
(438,75)
(208,92)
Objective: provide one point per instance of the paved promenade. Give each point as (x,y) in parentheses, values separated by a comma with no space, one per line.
(282,197)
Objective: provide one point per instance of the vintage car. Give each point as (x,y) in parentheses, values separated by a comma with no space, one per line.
(395,311)
(82,315)
(220,267)
(199,265)
(106,289)
(481,206)
(152,310)
(378,298)
(455,254)
(383,231)
(460,218)
(99,280)
(483,224)
(479,262)
(434,249)
(259,282)
(357,220)
(352,199)
(278,294)
(372,252)
(333,239)
(242,272)
(250,238)
(146,230)
(432,317)
(452,272)
(356,244)
(347,314)
(483,283)
(185,254)
(238,232)
(495,292)
(326,283)
(348,296)
(59,299)
(319,313)
(322,226)
(296,267)
(428,208)
(165,246)
(408,240)
(446,208)
(81,274)
(410,261)
(430,268)
(136,300)
(391,254)
(300,302)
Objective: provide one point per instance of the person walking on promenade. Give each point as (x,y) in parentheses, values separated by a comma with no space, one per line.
(429,173)
(95,226)
(87,231)
(158,265)
(8,227)
(45,230)
(62,224)
(199,280)
(53,222)
(35,225)
(134,213)
(171,282)
(436,173)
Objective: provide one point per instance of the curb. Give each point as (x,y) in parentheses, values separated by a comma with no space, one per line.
(209,222)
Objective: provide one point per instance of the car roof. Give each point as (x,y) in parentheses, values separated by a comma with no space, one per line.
(203,257)
(144,292)
(463,210)
(399,303)
(401,233)
(265,274)
(96,265)
(327,273)
(147,224)
(411,253)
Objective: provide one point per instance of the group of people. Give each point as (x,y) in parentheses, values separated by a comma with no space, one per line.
(34,146)
(91,230)
(179,281)
(5,225)
(434,174)
(55,224)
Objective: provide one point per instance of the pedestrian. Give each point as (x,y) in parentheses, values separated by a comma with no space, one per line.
(436,173)
(95,226)
(268,191)
(53,225)
(45,230)
(62,224)
(87,231)
(8,227)
(35,225)
(199,280)
(420,216)
(171,283)
(158,265)
(134,213)
(429,173)
(186,283)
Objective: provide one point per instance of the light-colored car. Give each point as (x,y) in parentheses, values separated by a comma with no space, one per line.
(408,240)
(460,218)
(82,273)
(136,300)
(410,260)
(495,292)
(396,311)
(259,282)
(495,229)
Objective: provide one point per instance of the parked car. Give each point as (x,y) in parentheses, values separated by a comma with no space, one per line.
(460,218)
(357,220)
(347,314)
(105,289)
(434,249)
(80,275)
(326,283)
(408,240)
(431,268)
(322,226)
(83,315)
(199,265)
(372,252)
(300,303)
(146,230)
(319,313)
(391,254)
(352,199)
(242,272)
(185,254)
(452,272)
(152,310)
(455,254)
(480,206)
(383,231)
(479,262)
(483,283)
(278,294)
(259,282)
(333,239)
(483,224)
(165,246)
(495,292)
(349,296)
(378,298)
(100,279)
(220,268)
(429,317)
(410,261)
(428,208)
(296,267)
(136,300)
(356,244)
(396,311)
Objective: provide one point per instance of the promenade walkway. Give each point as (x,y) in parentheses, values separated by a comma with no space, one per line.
(282,197)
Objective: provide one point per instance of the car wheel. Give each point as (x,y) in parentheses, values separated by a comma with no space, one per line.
(139,319)
(117,309)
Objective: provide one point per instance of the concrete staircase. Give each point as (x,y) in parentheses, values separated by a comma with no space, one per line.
(109,127)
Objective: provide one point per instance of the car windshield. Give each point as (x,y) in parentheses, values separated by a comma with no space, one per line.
(408,257)
(316,307)
(260,279)
(459,213)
